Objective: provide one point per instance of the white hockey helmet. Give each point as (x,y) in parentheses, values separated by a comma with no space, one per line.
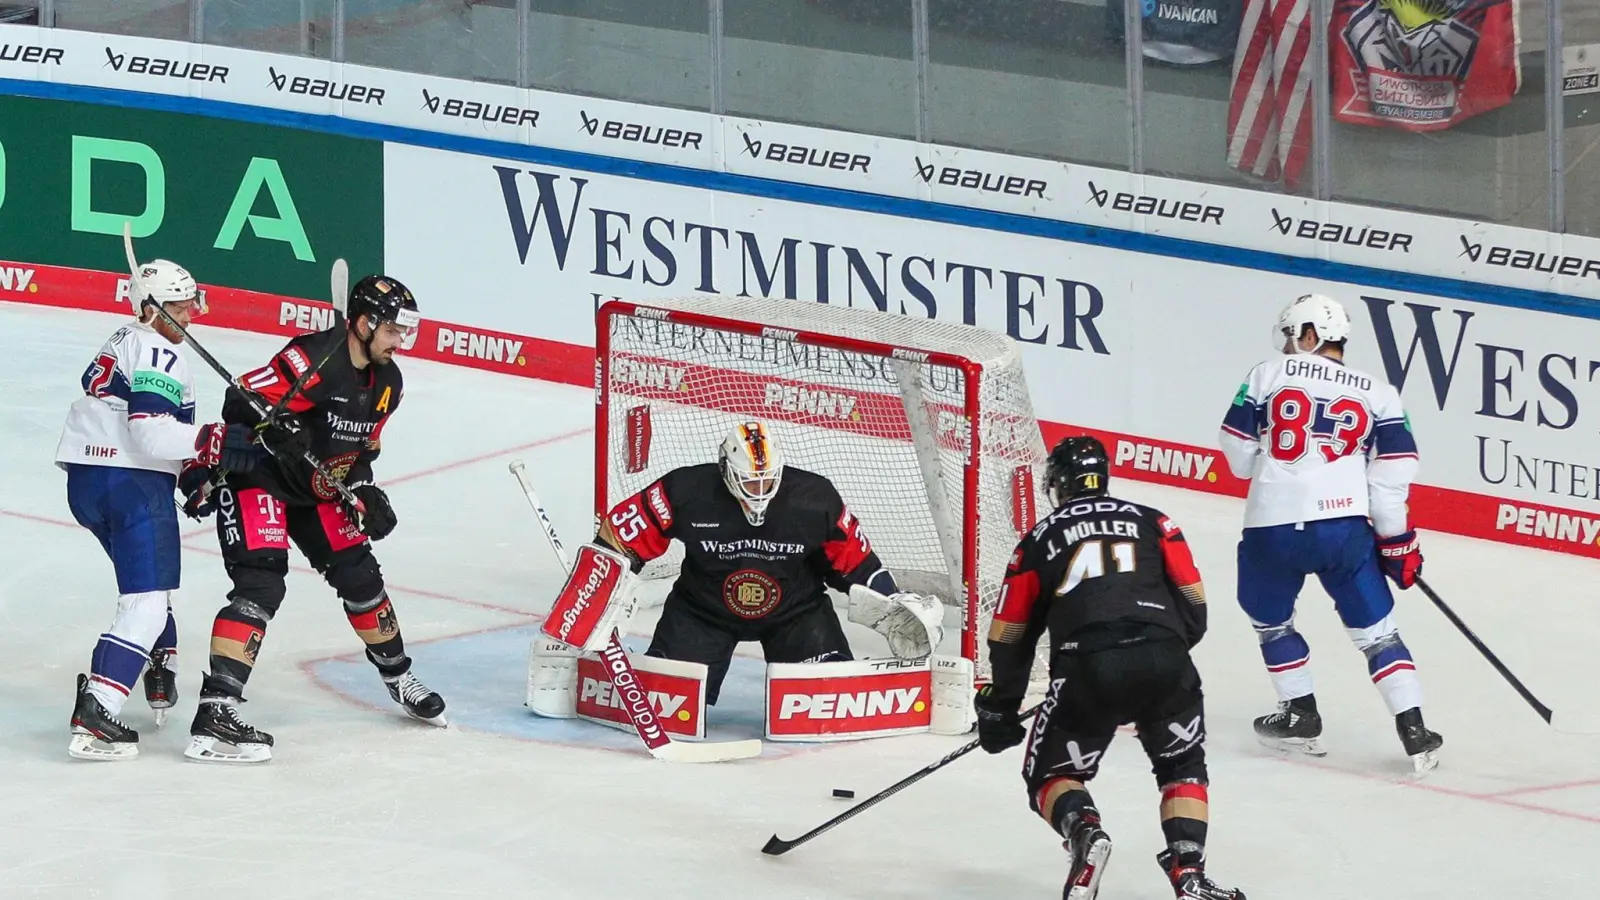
(752,467)
(165,281)
(1321,312)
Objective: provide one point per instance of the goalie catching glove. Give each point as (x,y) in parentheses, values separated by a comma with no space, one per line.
(913,624)
(597,599)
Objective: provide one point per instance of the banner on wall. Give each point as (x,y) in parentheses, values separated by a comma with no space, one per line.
(250,205)
(1422,65)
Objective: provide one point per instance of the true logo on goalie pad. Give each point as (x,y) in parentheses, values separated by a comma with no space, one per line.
(751,594)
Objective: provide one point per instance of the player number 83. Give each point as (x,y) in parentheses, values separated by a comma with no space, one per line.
(1296,423)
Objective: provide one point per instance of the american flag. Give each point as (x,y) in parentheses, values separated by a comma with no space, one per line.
(1269,104)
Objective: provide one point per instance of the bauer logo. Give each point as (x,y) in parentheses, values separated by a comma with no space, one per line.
(475,345)
(979,180)
(160,67)
(1550,524)
(472,110)
(284,83)
(801,155)
(631,133)
(1160,207)
(1168,461)
(1530,260)
(31,53)
(1335,233)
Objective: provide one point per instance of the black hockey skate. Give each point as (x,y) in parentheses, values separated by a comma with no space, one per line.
(1295,726)
(1420,744)
(160,685)
(219,735)
(1187,873)
(1090,847)
(97,734)
(420,701)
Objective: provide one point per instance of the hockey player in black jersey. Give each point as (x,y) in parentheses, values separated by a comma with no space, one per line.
(761,542)
(1114,586)
(337,414)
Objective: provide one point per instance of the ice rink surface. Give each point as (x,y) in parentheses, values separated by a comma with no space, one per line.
(361,802)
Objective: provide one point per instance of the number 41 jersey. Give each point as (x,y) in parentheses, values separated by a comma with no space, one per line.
(1320,440)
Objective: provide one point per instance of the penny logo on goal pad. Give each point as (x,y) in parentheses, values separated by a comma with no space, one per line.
(750,594)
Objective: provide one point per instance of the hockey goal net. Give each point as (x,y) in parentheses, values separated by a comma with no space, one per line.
(925,427)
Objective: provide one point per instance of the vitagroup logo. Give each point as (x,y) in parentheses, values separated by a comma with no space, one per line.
(31,53)
(801,155)
(1160,207)
(1335,233)
(979,180)
(321,87)
(1529,260)
(492,113)
(165,68)
(631,133)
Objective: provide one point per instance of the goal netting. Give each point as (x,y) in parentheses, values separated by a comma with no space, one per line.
(925,427)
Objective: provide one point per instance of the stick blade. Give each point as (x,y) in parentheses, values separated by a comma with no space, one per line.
(777,846)
(1583,724)
(339,287)
(720,751)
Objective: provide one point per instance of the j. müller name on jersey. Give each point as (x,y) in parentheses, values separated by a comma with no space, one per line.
(348,429)
(1327,371)
(1120,528)
(751,545)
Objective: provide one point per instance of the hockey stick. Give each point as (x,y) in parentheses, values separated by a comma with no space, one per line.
(339,285)
(777,846)
(1562,724)
(635,700)
(138,291)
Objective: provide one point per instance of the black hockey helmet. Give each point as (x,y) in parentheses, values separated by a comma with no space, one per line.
(1077,466)
(385,299)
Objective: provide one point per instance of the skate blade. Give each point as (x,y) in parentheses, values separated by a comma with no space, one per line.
(1424,762)
(210,750)
(1308,746)
(1086,884)
(159,713)
(86,746)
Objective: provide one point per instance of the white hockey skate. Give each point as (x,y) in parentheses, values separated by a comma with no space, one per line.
(218,735)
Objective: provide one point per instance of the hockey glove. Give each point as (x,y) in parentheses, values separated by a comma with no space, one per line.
(232,447)
(194,482)
(999,724)
(286,437)
(378,519)
(1401,558)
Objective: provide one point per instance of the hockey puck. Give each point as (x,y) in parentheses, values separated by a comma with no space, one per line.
(844,794)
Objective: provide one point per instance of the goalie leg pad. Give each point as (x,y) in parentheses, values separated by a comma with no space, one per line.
(838,701)
(553,679)
(952,687)
(598,597)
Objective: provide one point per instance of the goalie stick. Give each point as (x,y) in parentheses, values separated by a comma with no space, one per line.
(635,700)
(1564,724)
(777,846)
(255,403)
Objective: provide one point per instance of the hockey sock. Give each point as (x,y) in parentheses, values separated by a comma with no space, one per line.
(122,651)
(1392,670)
(168,641)
(236,638)
(376,623)
(1286,654)
(1184,814)
(1061,801)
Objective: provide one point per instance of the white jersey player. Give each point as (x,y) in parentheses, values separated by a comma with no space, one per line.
(125,442)
(1330,457)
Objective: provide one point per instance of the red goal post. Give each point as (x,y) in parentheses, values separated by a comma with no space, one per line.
(925,427)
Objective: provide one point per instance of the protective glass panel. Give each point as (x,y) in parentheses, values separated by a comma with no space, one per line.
(844,64)
(301,27)
(140,18)
(438,37)
(657,52)
(1581,98)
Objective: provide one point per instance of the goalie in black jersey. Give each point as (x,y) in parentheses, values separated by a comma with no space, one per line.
(1114,585)
(762,540)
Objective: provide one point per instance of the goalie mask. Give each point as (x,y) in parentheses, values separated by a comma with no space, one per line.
(752,467)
